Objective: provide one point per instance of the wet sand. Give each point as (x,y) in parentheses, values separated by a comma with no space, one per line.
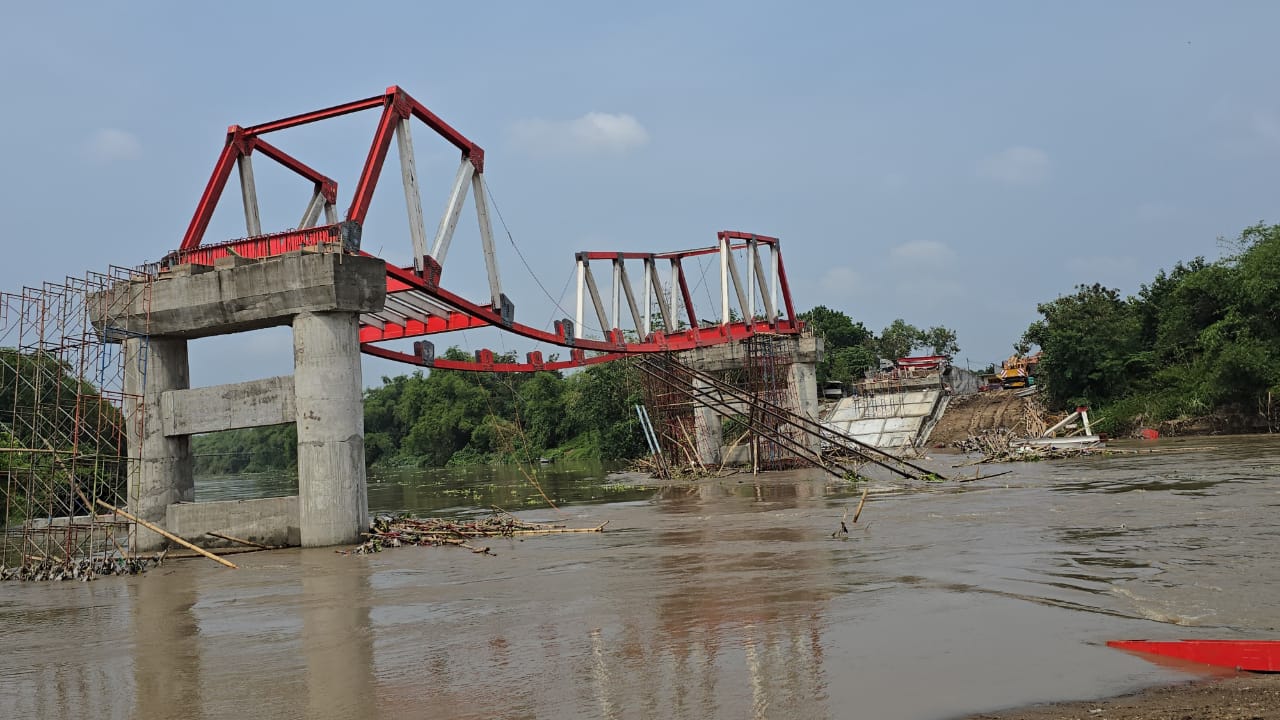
(1239,697)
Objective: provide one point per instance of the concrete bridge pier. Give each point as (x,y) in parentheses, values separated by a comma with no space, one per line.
(321,296)
(332,493)
(799,354)
(708,429)
(160,466)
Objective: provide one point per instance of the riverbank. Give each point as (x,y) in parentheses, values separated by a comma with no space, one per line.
(1245,696)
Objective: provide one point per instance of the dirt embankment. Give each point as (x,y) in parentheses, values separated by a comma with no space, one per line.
(972,414)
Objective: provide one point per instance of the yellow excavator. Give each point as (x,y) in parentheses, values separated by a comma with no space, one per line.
(1018,371)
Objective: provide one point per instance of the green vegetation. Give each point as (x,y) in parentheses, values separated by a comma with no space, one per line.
(246,451)
(448,417)
(54,426)
(852,349)
(1201,338)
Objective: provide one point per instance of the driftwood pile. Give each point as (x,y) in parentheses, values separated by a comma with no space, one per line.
(390,532)
(37,569)
(1003,446)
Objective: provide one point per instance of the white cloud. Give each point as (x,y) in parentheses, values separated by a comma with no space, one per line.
(595,132)
(109,144)
(922,251)
(1017,165)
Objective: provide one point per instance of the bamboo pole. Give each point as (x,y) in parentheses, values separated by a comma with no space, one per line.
(861,503)
(215,551)
(167,534)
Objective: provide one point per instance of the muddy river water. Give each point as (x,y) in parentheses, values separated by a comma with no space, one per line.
(725,599)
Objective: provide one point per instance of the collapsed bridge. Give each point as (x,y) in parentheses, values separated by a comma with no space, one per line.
(754,296)
(341,301)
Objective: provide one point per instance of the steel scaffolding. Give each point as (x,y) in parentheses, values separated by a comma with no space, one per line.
(64,419)
(769,359)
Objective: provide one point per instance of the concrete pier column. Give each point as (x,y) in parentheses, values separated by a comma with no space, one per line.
(708,430)
(160,467)
(333,502)
(802,383)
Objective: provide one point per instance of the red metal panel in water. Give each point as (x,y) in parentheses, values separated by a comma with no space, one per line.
(1255,655)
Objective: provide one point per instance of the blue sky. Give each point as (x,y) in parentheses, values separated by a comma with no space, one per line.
(946,163)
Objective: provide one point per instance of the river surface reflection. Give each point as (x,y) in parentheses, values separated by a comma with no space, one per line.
(728,598)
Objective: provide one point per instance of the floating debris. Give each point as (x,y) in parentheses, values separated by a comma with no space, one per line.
(395,531)
(84,569)
(1002,446)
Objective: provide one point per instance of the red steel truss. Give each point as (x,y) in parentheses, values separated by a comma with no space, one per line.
(417,305)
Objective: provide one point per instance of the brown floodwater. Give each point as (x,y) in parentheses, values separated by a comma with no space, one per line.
(726,599)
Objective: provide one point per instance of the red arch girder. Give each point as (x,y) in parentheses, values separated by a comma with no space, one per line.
(485,361)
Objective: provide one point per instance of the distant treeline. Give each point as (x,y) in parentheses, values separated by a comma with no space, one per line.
(852,349)
(449,417)
(446,417)
(1200,339)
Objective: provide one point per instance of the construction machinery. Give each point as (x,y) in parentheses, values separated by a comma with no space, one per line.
(1018,371)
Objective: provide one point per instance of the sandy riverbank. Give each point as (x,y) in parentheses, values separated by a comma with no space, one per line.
(1246,696)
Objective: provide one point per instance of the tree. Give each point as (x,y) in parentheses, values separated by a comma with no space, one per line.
(1089,340)
(848,352)
(846,364)
(898,340)
(941,340)
(837,329)
(598,407)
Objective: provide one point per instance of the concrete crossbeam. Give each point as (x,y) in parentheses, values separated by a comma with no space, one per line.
(227,407)
(245,296)
(807,348)
(270,521)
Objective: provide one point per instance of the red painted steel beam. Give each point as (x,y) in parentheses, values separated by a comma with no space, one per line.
(373,163)
(262,246)
(212,191)
(470,150)
(679,254)
(432,325)
(737,235)
(785,287)
(577,359)
(317,115)
(687,296)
